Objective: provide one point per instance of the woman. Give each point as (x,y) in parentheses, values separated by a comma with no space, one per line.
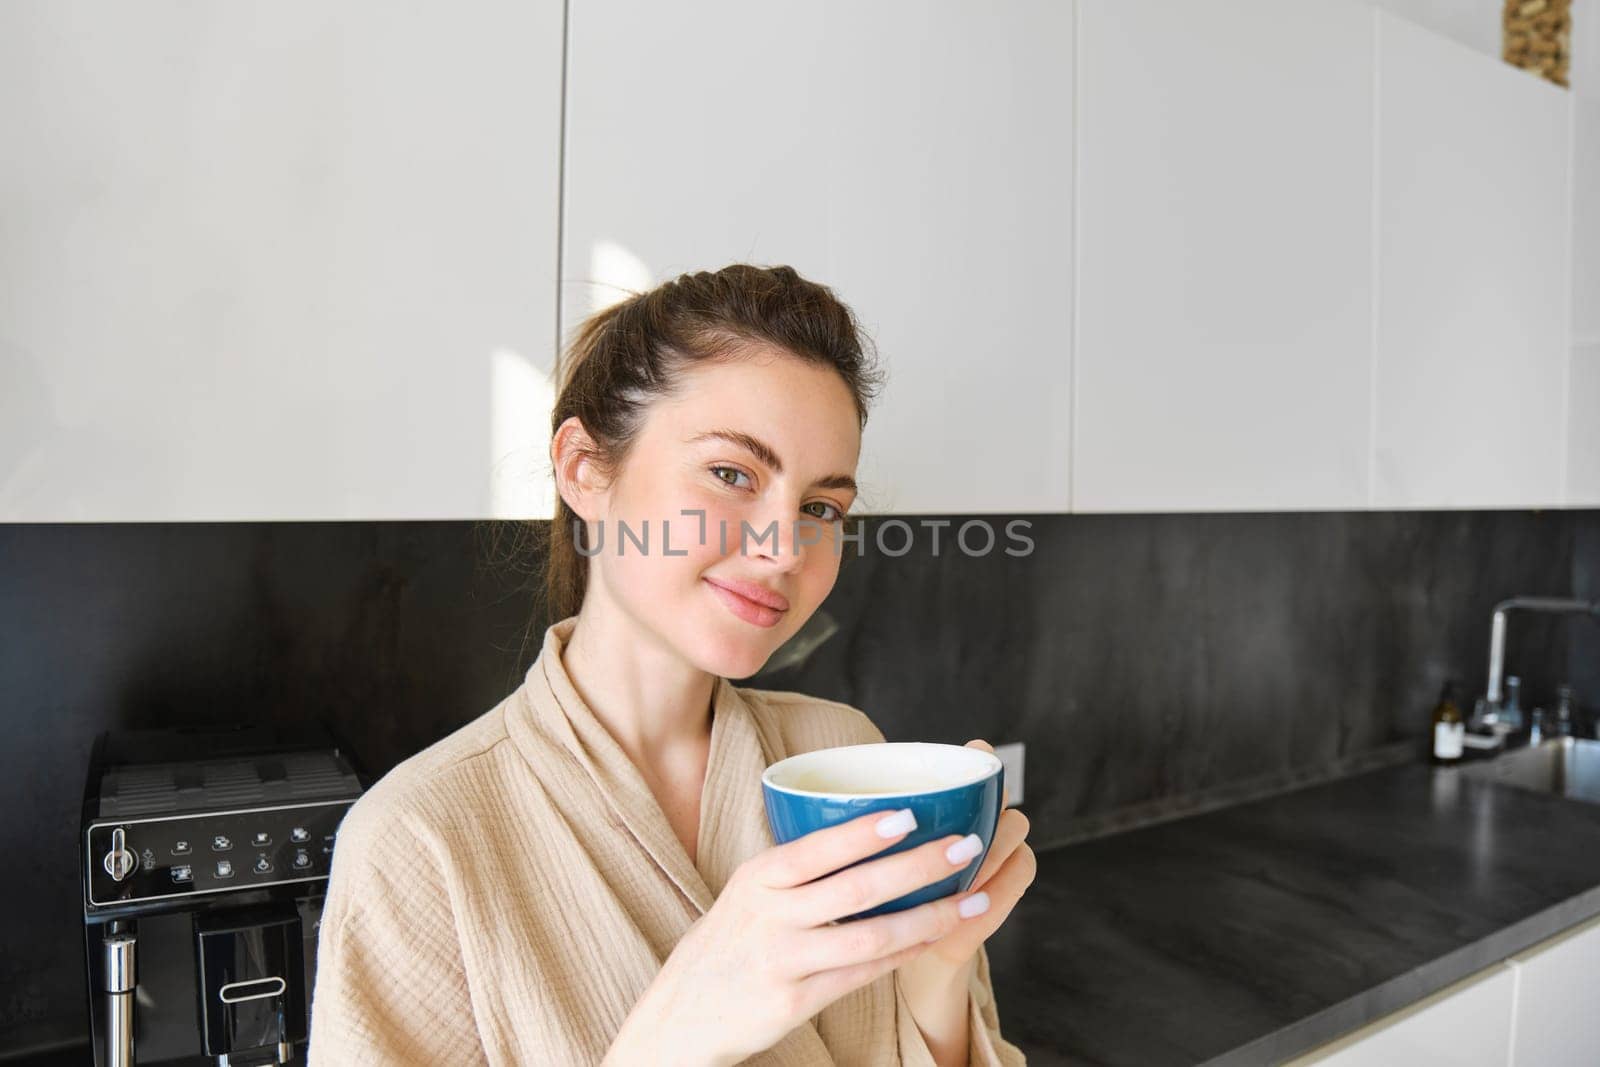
(585,873)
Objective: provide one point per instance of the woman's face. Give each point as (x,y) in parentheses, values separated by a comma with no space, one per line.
(747,470)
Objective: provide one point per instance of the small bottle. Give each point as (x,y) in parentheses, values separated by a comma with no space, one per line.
(1448,728)
(1564,727)
(1511,710)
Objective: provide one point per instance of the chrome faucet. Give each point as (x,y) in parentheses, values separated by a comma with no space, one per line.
(1486,713)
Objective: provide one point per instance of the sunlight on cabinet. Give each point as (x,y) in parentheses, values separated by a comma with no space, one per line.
(520,484)
(268,253)
(615,273)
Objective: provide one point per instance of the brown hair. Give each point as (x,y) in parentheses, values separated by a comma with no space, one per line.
(625,356)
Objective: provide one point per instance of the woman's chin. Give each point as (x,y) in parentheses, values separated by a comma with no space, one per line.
(737,655)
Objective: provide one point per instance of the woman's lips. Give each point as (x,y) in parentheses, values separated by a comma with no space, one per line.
(750,611)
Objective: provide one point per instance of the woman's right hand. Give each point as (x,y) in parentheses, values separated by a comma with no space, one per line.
(768,956)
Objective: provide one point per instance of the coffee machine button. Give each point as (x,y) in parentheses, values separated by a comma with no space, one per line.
(299,834)
(220,844)
(182,872)
(224,869)
(302,859)
(263,865)
(261,839)
(119,862)
(181,848)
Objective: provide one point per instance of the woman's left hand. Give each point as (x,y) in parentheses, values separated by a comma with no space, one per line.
(1005,875)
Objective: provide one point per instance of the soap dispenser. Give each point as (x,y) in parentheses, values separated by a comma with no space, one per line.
(1511,710)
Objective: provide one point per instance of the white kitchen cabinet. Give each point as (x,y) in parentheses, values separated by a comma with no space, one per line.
(1583,427)
(1467,1024)
(1586,218)
(1473,324)
(915,156)
(1583,383)
(1224,256)
(269,261)
(1534,1009)
(1556,1021)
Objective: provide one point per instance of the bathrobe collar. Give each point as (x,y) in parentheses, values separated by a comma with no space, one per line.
(733,823)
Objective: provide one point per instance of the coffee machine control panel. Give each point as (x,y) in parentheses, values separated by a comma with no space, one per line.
(162,857)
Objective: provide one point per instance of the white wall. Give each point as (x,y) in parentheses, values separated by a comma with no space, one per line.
(1585,70)
(1475,23)
(1478,25)
(275,252)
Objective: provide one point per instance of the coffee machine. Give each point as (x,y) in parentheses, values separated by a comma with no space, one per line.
(205,858)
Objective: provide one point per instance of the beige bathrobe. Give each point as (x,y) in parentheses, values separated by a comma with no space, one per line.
(506,895)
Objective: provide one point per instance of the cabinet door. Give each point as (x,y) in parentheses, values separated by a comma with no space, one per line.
(1465,1025)
(1555,1018)
(1473,277)
(1224,244)
(1586,216)
(269,261)
(1583,386)
(1583,427)
(915,156)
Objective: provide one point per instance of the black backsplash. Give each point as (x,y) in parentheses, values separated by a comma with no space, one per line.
(1153,664)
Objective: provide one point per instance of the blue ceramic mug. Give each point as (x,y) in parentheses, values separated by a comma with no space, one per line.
(952,789)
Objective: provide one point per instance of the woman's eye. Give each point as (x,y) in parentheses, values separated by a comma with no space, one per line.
(730,476)
(833,515)
(718,472)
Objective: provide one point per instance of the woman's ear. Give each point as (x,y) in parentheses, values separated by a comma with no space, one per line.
(577,474)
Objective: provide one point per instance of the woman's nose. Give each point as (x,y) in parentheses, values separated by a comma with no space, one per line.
(780,537)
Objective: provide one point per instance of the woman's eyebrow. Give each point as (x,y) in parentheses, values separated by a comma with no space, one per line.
(766,454)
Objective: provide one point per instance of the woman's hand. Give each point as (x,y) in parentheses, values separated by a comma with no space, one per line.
(767,956)
(1005,875)
(935,984)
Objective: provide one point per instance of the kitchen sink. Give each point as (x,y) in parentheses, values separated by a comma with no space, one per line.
(1565,766)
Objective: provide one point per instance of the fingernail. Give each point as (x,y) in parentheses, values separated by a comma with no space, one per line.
(901,822)
(963,850)
(976,904)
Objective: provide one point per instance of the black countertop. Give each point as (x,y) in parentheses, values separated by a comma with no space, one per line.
(1253,933)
